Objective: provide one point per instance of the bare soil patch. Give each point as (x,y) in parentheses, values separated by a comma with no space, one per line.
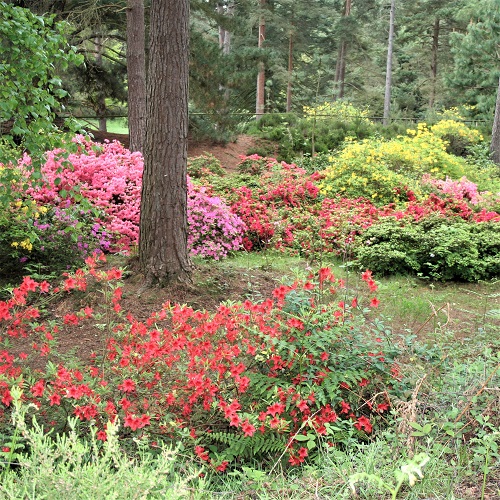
(228,154)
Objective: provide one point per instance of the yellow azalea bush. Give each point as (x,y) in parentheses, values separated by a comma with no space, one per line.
(451,128)
(380,170)
(339,110)
(360,172)
(457,136)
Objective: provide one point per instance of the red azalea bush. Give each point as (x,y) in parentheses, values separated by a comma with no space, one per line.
(250,380)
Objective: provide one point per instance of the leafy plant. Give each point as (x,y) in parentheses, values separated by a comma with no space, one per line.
(433,247)
(243,382)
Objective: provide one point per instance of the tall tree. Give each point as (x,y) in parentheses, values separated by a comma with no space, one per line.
(136,73)
(477,62)
(261,76)
(342,55)
(495,133)
(163,252)
(388,72)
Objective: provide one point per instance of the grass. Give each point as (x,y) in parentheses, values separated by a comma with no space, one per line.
(114,126)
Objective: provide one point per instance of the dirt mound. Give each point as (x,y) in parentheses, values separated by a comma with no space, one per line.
(228,154)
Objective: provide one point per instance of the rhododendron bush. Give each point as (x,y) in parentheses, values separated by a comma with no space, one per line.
(249,380)
(270,204)
(110,177)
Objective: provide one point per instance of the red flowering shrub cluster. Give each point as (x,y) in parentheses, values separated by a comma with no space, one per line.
(248,380)
(286,211)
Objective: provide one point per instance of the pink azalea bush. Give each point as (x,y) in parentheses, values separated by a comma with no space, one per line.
(463,189)
(110,177)
(214,230)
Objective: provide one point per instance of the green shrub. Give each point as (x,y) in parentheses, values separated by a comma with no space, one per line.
(204,165)
(434,247)
(45,240)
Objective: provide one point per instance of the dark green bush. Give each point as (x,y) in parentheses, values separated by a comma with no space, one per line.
(435,247)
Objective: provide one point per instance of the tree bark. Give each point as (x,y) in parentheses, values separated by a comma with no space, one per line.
(101,98)
(495,132)
(290,74)
(434,62)
(163,252)
(261,76)
(388,73)
(341,58)
(136,72)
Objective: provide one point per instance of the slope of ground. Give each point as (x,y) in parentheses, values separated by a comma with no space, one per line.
(228,154)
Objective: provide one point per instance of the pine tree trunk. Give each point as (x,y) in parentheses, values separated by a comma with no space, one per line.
(261,76)
(388,74)
(290,74)
(136,73)
(495,133)
(434,62)
(101,98)
(341,58)
(163,252)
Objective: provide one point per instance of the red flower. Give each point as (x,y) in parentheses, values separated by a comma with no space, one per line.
(38,388)
(363,423)
(54,399)
(222,466)
(128,385)
(345,407)
(201,453)
(248,428)
(101,436)
(302,405)
(382,407)
(374,302)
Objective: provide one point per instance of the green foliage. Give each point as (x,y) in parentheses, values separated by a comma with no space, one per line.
(76,466)
(45,240)
(434,247)
(322,129)
(32,49)
(475,54)
(203,166)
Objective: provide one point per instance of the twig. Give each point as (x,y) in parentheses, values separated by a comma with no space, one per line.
(480,390)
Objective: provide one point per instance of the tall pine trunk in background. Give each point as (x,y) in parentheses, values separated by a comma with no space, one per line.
(388,73)
(261,76)
(163,251)
(136,73)
(290,73)
(341,57)
(434,62)
(495,132)
(101,97)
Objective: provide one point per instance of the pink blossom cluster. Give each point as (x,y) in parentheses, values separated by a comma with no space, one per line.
(463,189)
(110,177)
(213,229)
